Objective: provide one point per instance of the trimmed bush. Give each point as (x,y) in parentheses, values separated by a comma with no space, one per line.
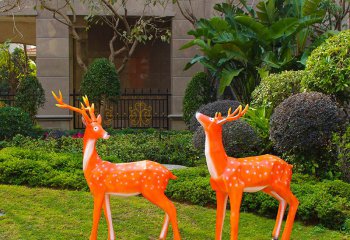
(239,139)
(302,126)
(199,91)
(304,123)
(14,121)
(275,88)
(211,108)
(328,67)
(101,81)
(30,95)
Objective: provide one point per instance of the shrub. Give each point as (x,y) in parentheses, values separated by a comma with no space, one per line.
(328,67)
(324,202)
(342,144)
(303,125)
(198,92)
(101,81)
(166,148)
(14,121)
(211,108)
(304,122)
(239,139)
(30,95)
(275,88)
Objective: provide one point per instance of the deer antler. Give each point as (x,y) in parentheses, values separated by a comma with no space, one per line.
(81,110)
(238,113)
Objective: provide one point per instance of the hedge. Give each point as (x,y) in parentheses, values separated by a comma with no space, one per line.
(163,148)
(324,202)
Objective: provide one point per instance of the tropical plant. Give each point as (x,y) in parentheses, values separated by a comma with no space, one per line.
(198,92)
(272,37)
(30,95)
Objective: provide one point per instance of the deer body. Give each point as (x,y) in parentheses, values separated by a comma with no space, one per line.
(123,179)
(230,177)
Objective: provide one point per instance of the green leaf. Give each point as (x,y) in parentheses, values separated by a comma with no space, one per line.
(259,29)
(198,42)
(283,27)
(193,61)
(227,76)
(311,7)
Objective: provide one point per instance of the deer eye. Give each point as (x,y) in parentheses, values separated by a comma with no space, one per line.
(95,129)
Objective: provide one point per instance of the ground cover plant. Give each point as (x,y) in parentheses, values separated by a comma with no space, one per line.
(37,168)
(34,213)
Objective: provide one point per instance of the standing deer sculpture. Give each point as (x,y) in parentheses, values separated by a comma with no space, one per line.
(124,179)
(230,177)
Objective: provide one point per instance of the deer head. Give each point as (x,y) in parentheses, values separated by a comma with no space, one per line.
(92,123)
(215,124)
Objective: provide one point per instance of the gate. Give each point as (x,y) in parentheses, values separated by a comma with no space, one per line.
(135,108)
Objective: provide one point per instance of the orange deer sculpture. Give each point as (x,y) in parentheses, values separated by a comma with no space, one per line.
(124,179)
(230,177)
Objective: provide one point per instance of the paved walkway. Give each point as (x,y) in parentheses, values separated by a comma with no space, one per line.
(172,166)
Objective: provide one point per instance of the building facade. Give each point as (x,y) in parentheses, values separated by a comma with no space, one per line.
(155,67)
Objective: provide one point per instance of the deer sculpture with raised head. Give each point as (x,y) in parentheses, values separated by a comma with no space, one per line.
(124,179)
(230,177)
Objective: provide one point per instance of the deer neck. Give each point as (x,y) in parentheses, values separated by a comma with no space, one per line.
(215,153)
(91,157)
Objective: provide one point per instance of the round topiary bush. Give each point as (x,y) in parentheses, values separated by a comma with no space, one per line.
(199,91)
(238,137)
(304,123)
(328,67)
(101,81)
(30,95)
(275,88)
(211,108)
(14,121)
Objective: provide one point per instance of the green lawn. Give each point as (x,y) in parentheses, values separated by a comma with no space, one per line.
(36,213)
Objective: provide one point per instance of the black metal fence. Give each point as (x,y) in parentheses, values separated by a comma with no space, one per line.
(7,99)
(136,108)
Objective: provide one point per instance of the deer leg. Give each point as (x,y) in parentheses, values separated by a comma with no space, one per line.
(108,215)
(235,202)
(280,214)
(221,202)
(293,202)
(159,199)
(164,231)
(98,200)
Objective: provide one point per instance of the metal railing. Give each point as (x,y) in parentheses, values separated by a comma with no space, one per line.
(8,99)
(135,108)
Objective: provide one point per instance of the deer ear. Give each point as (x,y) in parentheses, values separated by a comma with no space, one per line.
(99,119)
(83,120)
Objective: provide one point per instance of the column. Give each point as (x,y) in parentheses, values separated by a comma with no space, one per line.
(52,42)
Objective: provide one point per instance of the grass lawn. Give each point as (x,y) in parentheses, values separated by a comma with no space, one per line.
(36,213)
